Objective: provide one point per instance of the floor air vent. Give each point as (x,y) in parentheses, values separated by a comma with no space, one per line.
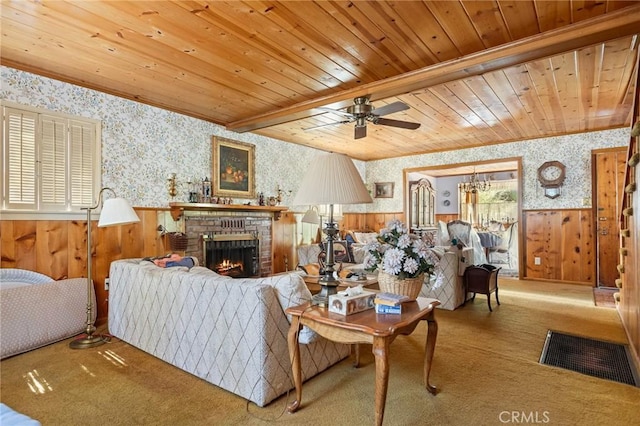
(597,358)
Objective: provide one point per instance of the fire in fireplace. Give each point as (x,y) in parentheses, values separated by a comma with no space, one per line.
(235,255)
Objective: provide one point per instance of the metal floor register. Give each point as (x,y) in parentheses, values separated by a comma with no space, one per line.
(597,358)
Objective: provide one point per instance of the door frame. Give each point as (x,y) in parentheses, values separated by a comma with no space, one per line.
(594,205)
(456,169)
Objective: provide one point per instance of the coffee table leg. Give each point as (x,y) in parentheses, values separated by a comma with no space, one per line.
(294,356)
(380,352)
(430,346)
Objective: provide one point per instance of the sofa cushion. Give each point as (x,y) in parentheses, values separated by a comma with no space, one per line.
(365,237)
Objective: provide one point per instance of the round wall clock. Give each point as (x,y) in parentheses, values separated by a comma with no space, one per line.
(446,194)
(446,202)
(551,176)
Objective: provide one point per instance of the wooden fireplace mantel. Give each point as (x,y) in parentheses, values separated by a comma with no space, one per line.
(177,209)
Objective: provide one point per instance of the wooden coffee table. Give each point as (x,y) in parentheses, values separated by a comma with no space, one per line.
(379,330)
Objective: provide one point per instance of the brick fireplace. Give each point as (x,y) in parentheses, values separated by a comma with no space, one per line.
(235,228)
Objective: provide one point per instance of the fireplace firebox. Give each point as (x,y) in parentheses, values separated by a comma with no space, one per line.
(234,255)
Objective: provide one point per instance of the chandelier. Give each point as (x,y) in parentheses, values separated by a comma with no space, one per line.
(475,184)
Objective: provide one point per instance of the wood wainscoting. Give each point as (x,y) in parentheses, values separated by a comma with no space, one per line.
(564,243)
(368,222)
(563,240)
(58,248)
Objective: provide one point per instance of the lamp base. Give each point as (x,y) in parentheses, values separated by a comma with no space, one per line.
(326,290)
(87,341)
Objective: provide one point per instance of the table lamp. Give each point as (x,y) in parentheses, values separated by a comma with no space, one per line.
(332,178)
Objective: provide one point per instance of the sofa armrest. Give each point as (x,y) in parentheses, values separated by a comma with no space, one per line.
(464,258)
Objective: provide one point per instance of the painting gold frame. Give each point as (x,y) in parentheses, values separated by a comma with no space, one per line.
(233,172)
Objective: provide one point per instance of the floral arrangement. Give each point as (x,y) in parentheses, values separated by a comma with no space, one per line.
(398,253)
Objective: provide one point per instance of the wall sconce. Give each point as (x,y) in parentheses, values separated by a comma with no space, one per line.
(173,185)
(280,194)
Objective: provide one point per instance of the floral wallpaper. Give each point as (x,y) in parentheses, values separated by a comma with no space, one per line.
(574,151)
(142,145)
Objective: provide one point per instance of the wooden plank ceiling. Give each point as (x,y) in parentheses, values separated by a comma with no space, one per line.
(473,73)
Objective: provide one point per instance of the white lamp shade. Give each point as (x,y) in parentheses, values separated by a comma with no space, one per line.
(117,211)
(332,179)
(311,216)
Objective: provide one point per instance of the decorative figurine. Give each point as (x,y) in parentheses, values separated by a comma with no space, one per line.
(206,190)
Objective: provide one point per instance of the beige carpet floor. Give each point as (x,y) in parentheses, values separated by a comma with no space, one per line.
(485,367)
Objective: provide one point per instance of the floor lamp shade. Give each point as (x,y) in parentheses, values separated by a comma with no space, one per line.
(311,216)
(117,211)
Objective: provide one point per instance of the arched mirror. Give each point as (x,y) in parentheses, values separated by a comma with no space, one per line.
(421,206)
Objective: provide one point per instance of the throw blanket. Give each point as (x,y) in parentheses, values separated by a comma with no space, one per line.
(9,417)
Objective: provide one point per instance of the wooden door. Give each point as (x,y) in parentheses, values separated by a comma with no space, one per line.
(609,168)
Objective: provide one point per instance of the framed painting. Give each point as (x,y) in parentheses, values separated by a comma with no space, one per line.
(233,172)
(384,189)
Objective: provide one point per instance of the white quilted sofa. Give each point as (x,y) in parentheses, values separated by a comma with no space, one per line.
(229,332)
(36,310)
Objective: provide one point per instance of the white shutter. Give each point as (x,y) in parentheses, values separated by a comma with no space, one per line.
(83,145)
(53,158)
(50,161)
(20,159)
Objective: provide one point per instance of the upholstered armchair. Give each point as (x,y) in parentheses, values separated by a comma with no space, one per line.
(507,252)
(460,230)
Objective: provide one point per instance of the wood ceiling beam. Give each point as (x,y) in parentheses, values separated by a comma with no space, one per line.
(620,23)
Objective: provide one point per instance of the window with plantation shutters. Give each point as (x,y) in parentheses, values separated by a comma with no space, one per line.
(19,159)
(50,161)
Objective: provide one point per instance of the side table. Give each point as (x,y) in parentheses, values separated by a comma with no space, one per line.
(379,330)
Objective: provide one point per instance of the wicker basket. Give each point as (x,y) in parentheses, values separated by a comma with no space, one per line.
(408,286)
(178,241)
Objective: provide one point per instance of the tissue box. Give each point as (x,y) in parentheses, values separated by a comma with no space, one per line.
(340,303)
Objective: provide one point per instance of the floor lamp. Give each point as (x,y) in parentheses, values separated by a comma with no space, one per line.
(331,179)
(115,211)
(311,216)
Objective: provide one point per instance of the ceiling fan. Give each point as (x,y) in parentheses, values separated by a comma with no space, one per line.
(363,111)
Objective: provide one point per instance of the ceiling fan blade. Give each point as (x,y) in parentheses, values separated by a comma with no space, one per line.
(396,123)
(360,132)
(327,124)
(390,109)
(336,111)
